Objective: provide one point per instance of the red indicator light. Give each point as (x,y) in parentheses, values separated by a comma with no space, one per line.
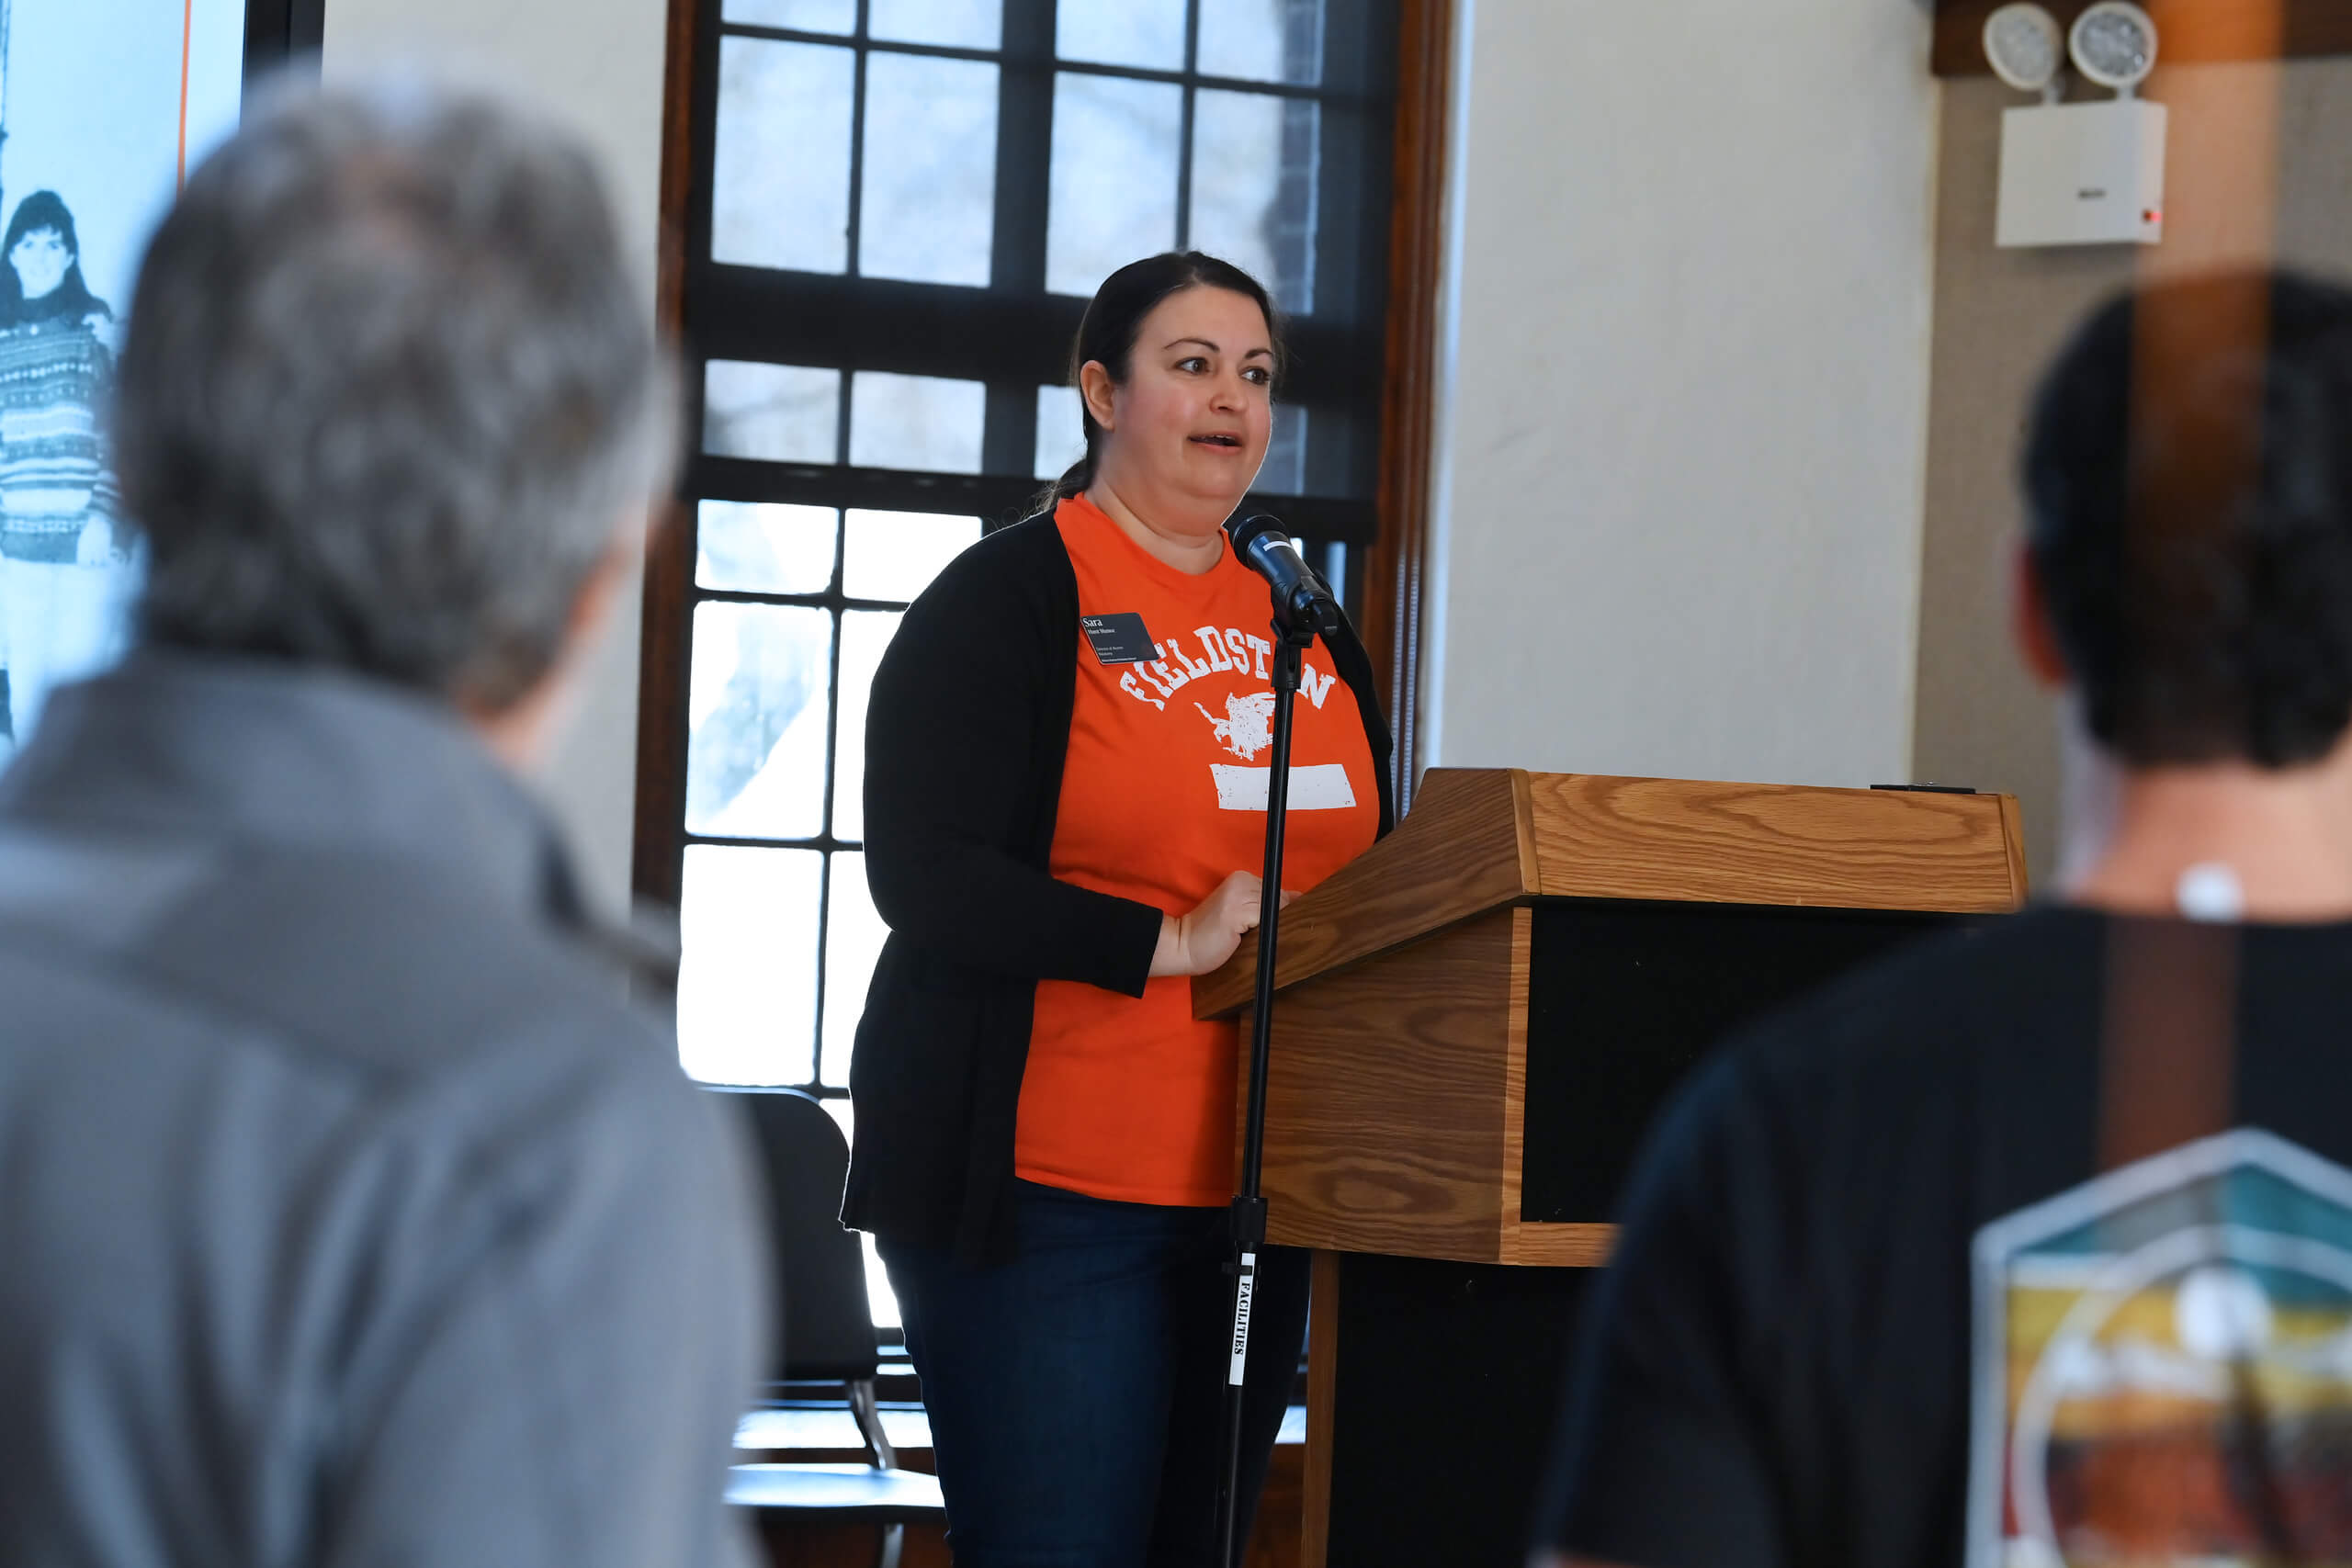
(2153,215)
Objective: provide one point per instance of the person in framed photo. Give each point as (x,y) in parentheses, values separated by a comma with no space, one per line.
(65,552)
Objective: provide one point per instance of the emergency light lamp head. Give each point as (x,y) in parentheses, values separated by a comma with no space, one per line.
(2026,47)
(2114,44)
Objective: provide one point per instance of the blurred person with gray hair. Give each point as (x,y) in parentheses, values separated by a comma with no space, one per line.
(349,1214)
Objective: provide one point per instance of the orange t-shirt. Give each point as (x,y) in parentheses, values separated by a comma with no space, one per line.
(1163,798)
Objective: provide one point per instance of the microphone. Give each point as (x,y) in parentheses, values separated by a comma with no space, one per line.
(1301,598)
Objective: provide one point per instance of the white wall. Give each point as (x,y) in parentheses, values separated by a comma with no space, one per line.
(1678,507)
(598,64)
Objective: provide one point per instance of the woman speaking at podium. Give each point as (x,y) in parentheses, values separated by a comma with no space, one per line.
(1065,796)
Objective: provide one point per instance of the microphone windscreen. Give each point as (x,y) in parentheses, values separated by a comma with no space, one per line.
(1247,531)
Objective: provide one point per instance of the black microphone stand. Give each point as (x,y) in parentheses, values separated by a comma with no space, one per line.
(1295,626)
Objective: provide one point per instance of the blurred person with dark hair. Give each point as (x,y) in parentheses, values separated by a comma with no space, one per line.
(2034,1244)
(349,1214)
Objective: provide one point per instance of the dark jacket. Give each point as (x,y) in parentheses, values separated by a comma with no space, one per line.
(964,742)
(349,1214)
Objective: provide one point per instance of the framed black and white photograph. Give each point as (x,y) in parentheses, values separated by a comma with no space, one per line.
(104,105)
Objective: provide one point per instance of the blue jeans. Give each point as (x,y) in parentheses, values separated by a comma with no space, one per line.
(1076,1394)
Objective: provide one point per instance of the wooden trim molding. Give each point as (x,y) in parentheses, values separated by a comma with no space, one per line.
(1396,565)
(2191,32)
(657,867)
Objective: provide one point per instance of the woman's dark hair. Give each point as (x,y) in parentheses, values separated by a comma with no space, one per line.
(2188,489)
(1114,316)
(72,297)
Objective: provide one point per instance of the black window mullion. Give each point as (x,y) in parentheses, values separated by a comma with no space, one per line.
(989,497)
(824,918)
(1024,150)
(824,842)
(992,498)
(834,600)
(1226,83)
(976,334)
(1083,66)
(703,141)
(1044,61)
(793,600)
(857,39)
(857,144)
(703,132)
(1354,174)
(832,769)
(1024,144)
(1184,127)
(836,586)
(1009,433)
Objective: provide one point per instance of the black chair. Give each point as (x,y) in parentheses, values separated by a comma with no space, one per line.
(828,1331)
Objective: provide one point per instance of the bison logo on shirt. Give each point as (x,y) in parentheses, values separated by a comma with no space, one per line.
(1247,727)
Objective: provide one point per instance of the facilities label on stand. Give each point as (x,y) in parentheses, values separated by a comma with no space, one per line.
(1246,1284)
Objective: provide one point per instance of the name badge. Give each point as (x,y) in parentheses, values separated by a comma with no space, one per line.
(1118,640)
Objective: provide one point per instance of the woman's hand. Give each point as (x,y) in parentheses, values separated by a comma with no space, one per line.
(1204,938)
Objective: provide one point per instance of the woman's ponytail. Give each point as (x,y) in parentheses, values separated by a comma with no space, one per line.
(1073,482)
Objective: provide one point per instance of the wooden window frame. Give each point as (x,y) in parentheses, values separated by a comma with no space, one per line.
(1398,566)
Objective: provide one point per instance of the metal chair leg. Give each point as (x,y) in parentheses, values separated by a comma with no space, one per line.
(868,1417)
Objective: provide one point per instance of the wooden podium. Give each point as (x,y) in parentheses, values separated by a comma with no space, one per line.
(1476,1020)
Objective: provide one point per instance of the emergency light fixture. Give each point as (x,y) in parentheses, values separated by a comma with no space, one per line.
(2086,174)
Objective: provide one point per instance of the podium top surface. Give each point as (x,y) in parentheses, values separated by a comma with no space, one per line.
(1481,838)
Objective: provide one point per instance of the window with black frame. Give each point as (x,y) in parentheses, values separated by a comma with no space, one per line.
(896,212)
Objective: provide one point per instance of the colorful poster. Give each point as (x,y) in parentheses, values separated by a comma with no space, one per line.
(104,105)
(2164,1366)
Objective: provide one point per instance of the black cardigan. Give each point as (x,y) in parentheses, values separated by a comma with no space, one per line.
(964,739)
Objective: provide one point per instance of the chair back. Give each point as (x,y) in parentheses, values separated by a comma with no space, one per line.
(826,1318)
